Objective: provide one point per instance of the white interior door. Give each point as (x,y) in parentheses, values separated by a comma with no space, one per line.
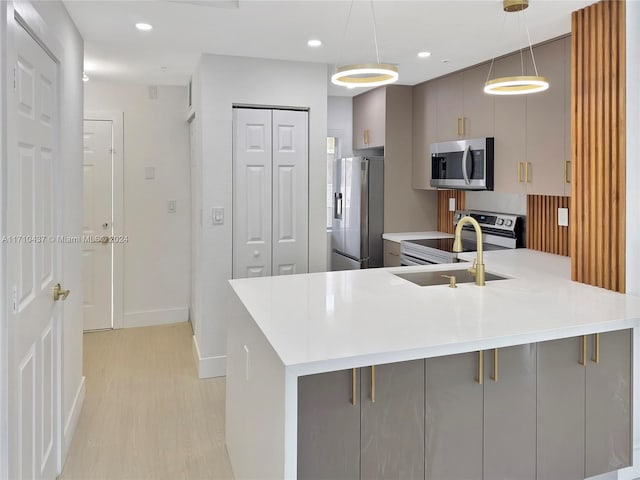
(290,252)
(33,260)
(97,250)
(252,193)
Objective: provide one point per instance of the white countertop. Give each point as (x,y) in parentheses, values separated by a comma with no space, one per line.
(329,321)
(398,237)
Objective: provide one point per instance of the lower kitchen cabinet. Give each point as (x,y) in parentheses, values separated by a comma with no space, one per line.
(391,250)
(454,411)
(392,415)
(561,410)
(609,402)
(380,437)
(510,413)
(584,405)
(328,426)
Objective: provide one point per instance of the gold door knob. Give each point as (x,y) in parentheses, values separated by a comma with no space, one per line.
(59,293)
(104,239)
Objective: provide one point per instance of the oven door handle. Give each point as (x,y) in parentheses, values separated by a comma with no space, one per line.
(465,158)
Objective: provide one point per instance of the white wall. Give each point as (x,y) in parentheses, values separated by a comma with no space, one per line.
(157,266)
(219,83)
(57,19)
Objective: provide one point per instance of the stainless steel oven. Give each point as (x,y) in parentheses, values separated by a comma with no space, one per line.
(499,231)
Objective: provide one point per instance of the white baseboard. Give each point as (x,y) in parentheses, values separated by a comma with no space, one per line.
(74,415)
(209,367)
(156,317)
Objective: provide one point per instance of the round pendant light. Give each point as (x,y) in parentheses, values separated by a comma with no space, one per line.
(520,84)
(365,75)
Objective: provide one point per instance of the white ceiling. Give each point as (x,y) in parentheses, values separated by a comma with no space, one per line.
(464,32)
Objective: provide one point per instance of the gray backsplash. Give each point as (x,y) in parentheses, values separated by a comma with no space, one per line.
(496,202)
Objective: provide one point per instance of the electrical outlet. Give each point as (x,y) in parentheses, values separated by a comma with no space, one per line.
(171,206)
(563,217)
(452,204)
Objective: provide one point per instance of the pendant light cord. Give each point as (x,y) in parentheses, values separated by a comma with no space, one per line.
(533,59)
(375,33)
(344,34)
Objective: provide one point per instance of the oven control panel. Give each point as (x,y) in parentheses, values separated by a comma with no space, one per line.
(489,220)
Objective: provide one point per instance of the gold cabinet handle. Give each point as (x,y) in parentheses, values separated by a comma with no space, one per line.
(480,368)
(567,169)
(373,383)
(59,293)
(366,136)
(527,169)
(596,350)
(462,121)
(458,129)
(583,351)
(519,172)
(494,376)
(354,397)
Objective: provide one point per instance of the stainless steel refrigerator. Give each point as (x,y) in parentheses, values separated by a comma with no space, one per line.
(358,213)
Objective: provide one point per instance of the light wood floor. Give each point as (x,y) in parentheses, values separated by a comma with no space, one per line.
(146,414)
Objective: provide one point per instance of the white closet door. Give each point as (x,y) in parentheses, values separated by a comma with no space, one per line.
(252,193)
(290,192)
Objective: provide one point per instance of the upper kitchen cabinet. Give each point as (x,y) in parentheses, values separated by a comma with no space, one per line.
(463,109)
(510,138)
(449,107)
(425,97)
(545,164)
(369,119)
(478,107)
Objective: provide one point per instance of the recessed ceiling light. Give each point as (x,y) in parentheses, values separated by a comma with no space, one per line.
(145,27)
(314,43)
(424,54)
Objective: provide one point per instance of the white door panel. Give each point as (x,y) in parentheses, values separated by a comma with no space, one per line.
(290,192)
(252,193)
(97,224)
(33,260)
(270,213)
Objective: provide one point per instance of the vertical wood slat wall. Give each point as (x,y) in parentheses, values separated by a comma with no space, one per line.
(543,232)
(445,217)
(598,76)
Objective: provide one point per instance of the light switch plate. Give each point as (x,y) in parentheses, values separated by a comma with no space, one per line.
(149,173)
(171,206)
(452,204)
(217,216)
(563,217)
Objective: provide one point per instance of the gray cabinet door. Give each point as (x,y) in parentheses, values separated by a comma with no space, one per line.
(328,427)
(449,107)
(478,106)
(369,119)
(392,426)
(454,409)
(510,414)
(561,410)
(609,403)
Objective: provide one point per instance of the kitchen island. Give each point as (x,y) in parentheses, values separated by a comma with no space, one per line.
(288,329)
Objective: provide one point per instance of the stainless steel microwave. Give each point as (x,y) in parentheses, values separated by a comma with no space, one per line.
(463,164)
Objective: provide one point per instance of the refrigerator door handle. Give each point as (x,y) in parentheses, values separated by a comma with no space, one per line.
(337,206)
(364,209)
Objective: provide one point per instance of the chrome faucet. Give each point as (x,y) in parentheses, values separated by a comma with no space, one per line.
(478,265)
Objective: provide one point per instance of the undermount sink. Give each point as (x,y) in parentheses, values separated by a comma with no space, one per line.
(441,277)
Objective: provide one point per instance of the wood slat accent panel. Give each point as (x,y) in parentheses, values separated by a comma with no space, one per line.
(598,138)
(543,232)
(445,217)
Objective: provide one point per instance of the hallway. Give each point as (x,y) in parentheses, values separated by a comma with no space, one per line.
(146,414)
